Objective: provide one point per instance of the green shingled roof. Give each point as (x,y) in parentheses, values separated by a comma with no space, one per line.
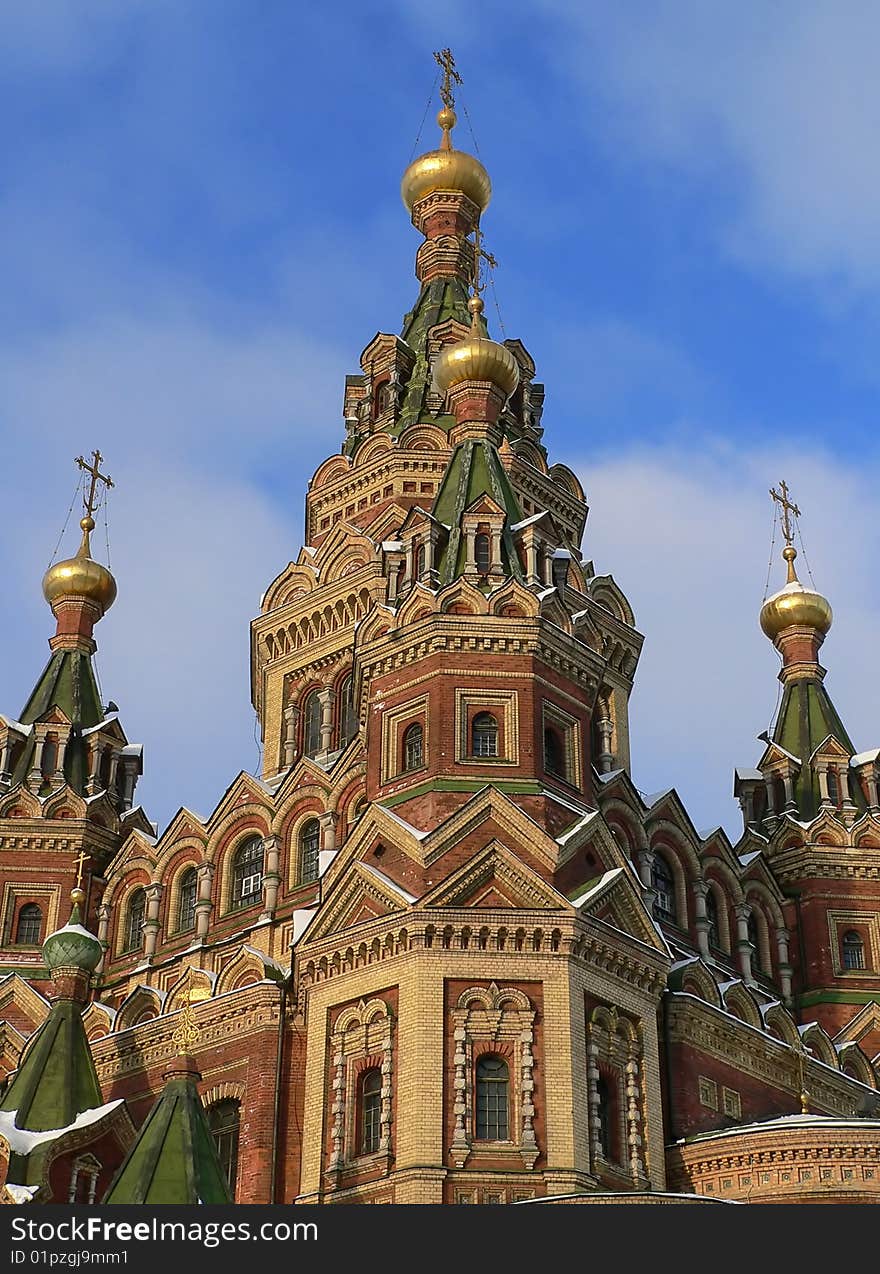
(806,718)
(56,1080)
(440,300)
(67,682)
(475,469)
(174,1159)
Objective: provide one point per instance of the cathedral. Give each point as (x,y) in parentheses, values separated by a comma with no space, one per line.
(443,950)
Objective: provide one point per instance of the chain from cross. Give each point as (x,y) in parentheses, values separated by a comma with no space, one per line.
(446,62)
(94,471)
(788,507)
(480,254)
(80,861)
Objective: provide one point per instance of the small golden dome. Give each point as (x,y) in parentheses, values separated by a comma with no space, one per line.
(476,358)
(80,576)
(446,169)
(794,605)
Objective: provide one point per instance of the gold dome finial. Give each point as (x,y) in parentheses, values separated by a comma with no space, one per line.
(793,606)
(81,576)
(477,357)
(446,168)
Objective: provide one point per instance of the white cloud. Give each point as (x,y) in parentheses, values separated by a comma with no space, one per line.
(686,534)
(780,101)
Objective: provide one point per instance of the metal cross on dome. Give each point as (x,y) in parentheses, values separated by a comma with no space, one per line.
(94,472)
(446,62)
(788,507)
(80,861)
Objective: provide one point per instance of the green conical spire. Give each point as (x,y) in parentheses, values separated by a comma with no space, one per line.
(174,1159)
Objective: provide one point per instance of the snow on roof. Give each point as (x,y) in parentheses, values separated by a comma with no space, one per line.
(611,774)
(21,1194)
(864,757)
(413,831)
(653,797)
(745,859)
(749,776)
(22,1141)
(392,546)
(781,1121)
(576,827)
(600,886)
(78,929)
(386,880)
(15,725)
(518,526)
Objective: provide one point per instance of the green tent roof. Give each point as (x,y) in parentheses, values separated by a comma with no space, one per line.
(174,1159)
(806,718)
(475,469)
(67,682)
(57,1079)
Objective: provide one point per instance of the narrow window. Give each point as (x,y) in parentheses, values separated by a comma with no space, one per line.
(853,950)
(663,884)
(309,849)
(712,919)
(134,925)
(186,900)
(312,725)
(493,1083)
(370,1111)
(30,924)
(420,560)
(413,749)
(482,553)
(554,752)
(603,1115)
(247,873)
(224,1118)
(347,721)
(833,787)
(484,735)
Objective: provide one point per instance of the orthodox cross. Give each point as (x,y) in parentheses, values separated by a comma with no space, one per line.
(83,858)
(480,255)
(446,62)
(187,1032)
(787,508)
(94,472)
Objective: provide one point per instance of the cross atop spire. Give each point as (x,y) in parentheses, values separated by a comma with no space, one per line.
(788,507)
(90,504)
(446,62)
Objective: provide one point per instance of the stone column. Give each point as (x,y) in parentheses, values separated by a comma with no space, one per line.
(788,780)
(822,772)
(271,875)
(290,719)
(35,774)
(784,966)
(495,566)
(6,762)
(470,560)
(532,576)
(103,927)
(326,698)
(204,905)
(743,945)
(151,921)
(770,789)
(646,867)
(873,788)
(606,756)
(700,890)
(96,751)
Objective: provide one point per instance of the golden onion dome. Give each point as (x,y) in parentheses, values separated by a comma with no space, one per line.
(476,358)
(795,606)
(446,169)
(80,576)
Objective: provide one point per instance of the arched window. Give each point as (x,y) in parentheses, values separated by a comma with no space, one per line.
(482,553)
(833,788)
(420,560)
(493,1082)
(603,1115)
(413,749)
(30,924)
(247,873)
(853,950)
(134,922)
(779,795)
(484,735)
(554,752)
(309,849)
(224,1118)
(370,1110)
(663,884)
(714,933)
(347,720)
(49,759)
(186,900)
(312,725)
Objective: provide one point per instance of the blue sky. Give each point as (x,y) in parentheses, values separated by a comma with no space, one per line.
(200,229)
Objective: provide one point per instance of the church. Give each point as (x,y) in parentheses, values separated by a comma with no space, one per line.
(443,950)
